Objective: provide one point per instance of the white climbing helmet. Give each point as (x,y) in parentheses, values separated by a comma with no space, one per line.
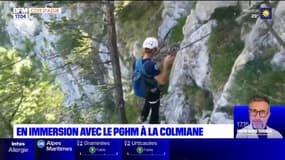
(150,42)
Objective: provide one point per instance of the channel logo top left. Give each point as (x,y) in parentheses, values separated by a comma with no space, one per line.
(25,13)
(21,13)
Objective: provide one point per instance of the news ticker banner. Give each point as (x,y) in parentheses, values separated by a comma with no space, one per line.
(141,149)
(123,131)
(82,149)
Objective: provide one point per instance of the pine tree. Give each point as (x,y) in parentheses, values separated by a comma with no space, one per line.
(27,92)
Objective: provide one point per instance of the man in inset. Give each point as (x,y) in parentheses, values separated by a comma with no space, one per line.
(153,77)
(259,113)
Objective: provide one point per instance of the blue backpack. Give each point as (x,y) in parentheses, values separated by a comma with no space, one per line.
(141,81)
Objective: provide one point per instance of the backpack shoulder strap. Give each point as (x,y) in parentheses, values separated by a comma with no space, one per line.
(140,67)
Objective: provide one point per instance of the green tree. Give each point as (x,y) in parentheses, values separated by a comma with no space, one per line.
(80,38)
(27,92)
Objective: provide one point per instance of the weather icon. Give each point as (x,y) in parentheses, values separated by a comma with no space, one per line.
(92,150)
(266,13)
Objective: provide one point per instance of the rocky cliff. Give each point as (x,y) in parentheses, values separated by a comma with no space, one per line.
(234,59)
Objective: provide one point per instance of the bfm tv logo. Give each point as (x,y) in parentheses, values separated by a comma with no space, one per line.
(24,13)
(21,13)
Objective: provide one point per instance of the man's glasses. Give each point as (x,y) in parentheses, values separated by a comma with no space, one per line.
(262,113)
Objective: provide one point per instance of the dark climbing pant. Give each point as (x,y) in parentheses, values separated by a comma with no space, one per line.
(152,102)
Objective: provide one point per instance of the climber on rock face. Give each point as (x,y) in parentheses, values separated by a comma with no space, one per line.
(150,77)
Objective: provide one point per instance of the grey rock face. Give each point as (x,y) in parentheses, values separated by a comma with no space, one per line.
(278,61)
(172,12)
